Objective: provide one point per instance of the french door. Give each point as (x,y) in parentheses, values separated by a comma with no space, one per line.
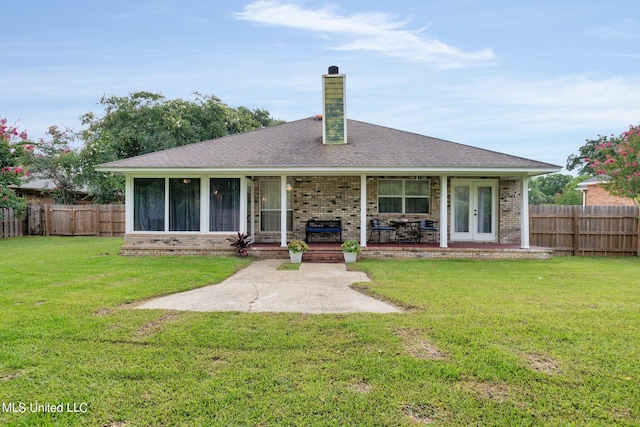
(474,210)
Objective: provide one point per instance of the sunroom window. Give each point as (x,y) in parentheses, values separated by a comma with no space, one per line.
(148,204)
(224,204)
(184,204)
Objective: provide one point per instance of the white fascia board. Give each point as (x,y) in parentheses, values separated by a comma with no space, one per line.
(323,171)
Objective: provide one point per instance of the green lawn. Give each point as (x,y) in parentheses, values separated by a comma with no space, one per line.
(482,343)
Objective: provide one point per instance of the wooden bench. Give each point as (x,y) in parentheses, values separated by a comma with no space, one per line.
(323,226)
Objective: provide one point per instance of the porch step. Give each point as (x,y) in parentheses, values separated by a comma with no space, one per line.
(325,256)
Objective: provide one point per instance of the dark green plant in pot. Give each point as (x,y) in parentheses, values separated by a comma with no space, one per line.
(241,242)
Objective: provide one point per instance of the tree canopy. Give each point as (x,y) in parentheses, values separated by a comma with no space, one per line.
(620,164)
(145,122)
(57,161)
(589,153)
(555,189)
(13,146)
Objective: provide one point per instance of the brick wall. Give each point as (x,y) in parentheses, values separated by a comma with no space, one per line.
(596,195)
(338,197)
(183,244)
(327,197)
(372,203)
(509,211)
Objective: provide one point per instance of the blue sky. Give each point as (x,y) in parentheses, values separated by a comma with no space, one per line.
(533,78)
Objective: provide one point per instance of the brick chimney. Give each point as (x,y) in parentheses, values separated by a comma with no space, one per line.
(334,120)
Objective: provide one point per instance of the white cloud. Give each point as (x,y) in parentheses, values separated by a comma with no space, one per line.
(377,32)
(567,102)
(624,30)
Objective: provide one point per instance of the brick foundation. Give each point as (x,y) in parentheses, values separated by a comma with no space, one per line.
(176,244)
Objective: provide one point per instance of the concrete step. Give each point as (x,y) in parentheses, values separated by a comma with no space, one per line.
(326,256)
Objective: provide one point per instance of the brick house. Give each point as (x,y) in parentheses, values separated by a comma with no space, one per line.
(269,182)
(594,194)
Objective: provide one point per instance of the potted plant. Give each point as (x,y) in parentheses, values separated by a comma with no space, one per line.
(350,250)
(296,248)
(241,242)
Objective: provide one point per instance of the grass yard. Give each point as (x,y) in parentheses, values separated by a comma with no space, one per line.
(482,343)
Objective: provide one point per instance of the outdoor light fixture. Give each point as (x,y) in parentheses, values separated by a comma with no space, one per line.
(186,181)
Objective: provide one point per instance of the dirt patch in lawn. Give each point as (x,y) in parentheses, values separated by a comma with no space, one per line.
(362,387)
(101,312)
(543,363)
(417,346)
(152,327)
(10,376)
(487,390)
(419,413)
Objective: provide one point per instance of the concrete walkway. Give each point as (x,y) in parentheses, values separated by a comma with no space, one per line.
(261,287)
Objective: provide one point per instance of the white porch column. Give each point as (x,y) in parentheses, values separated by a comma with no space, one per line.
(283,211)
(363,210)
(444,219)
(128,204)
(205,203)
(244,205)
(524,214)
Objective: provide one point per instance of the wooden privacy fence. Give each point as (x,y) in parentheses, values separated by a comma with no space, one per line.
(568,230)
(9,225)
(585,230)
(84,220)
(63,220)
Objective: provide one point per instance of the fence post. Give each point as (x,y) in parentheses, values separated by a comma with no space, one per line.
(47,215)
(111,223)
(638,233)
(576,231)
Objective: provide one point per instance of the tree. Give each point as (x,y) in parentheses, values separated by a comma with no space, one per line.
(620,165)
(544,189)
(13,146)
(57,161)
(145,122)
(570,195)
(590,153)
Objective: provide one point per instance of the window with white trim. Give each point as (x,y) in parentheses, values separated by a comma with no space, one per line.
(270,204)
(404,196)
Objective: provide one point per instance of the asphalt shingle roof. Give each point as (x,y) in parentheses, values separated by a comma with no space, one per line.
(299,144)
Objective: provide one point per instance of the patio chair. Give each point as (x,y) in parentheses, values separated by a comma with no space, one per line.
(427,226)
(376,225)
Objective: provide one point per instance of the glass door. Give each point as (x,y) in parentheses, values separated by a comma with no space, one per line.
(484,211)
(473,210)
(460,210)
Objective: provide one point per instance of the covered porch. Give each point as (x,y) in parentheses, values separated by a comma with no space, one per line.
(474,215)
(488,209)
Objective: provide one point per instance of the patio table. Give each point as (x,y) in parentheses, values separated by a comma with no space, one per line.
(406,231)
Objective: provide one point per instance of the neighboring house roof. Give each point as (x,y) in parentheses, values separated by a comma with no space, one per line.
(39,184)
(297,146)
(594,180)
(35,184)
